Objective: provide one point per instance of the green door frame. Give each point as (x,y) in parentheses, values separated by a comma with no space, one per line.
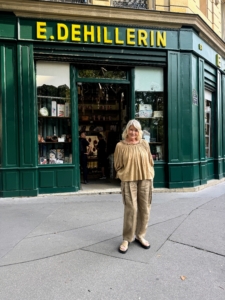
(75,121)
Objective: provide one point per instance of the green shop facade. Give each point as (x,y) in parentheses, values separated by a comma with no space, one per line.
(60,76)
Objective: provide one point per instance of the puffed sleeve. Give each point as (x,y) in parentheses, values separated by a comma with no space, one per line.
(118,158)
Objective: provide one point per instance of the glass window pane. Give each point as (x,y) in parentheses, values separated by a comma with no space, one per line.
(103,73)
(149,79)
(150,108)
(208,122)
(54,117)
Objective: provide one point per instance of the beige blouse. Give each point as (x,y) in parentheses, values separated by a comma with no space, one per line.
(133,161)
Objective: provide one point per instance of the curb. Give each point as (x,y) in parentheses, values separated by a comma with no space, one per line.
(155,190)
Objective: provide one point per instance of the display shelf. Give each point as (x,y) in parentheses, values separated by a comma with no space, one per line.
(149,111)
(56,124)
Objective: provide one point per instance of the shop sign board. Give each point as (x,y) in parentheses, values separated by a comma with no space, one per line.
(108,35)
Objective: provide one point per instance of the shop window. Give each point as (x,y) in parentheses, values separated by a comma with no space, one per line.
(102,109)
(54,107)
(102,72)
(208,124)
(150,108)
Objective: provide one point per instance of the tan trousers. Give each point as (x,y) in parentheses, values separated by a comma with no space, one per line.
(137,198)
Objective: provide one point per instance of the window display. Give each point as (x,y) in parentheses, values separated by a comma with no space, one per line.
(150,108)
(102,108)
(208,121)
(54,117)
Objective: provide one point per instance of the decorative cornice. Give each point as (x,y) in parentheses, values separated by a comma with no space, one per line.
(113,15)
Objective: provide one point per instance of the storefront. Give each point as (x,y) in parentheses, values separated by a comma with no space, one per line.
(61,77)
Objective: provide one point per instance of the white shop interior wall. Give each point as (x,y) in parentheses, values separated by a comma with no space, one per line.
(52,73)
(208,95)
(149,79)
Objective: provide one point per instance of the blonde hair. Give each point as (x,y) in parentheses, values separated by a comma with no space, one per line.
(136,125)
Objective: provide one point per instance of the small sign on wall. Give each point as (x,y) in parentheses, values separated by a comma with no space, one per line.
(194,97)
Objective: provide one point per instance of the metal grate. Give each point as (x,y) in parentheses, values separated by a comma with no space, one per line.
(68,1)
(137,4)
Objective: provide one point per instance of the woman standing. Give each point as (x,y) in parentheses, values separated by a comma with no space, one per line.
(134,166)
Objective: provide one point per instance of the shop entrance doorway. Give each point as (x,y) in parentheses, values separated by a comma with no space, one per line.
(103,110)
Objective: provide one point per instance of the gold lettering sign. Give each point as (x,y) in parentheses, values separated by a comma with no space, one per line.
(117,41)
(78,33)
(142,37)
(161,39)
(130,36)
(106,40)
(41,30)
(62,32)
(75,33)
(89,32)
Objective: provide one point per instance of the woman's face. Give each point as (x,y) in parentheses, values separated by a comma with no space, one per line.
(132,133)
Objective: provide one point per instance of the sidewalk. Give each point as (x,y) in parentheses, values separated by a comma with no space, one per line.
(66,247)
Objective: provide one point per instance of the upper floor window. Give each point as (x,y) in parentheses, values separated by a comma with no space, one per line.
(204,7)
(223,19)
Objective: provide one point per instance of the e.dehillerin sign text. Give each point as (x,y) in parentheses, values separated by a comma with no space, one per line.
(96,34)
(82,33)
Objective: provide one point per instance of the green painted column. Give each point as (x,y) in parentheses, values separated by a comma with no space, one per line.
(173,107)
(202,166)
(27,127)
(75,123)
(9,108)
(195,98)
(183,120)
(223,121)
(218,130)
(175,176)
(9,121)
(131,111)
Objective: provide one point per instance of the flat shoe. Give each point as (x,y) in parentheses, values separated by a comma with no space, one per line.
(142,243)
(125,246)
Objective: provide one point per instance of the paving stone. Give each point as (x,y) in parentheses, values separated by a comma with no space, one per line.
(203,229)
